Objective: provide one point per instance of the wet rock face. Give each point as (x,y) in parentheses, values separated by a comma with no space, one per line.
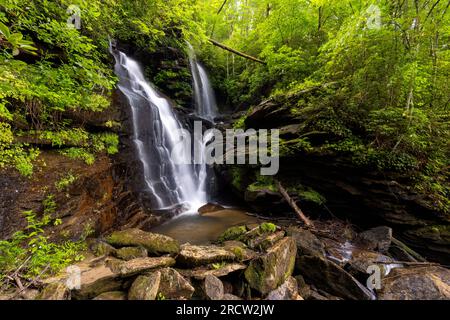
(155,244)
(429,283)
(270,270)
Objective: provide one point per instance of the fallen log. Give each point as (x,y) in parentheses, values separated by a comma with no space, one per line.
(241,54)
(293,205)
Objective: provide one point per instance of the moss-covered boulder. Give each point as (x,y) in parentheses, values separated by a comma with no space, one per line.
(145,287)
(112,295)
(130,253)
(266,240)
(192,256)
(240,250)
(269,271)
(156,244)
(100,248)
(233,233)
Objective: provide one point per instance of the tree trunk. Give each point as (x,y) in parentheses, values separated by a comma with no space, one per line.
(246,56)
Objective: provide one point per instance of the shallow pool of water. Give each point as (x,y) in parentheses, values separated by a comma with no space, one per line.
(204,229)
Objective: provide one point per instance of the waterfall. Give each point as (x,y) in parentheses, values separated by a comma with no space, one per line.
(205,101)
(155,134)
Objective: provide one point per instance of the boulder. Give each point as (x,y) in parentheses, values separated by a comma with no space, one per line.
(419,283)
(54,291)
(240,250)
(192,256)
(307,243)
(112,295)
(96,281)
(130,253)
(330,277)
(287,291)
(100,248)
(174,286)
(213,288)
(379,239)
(156,244)
(209,208)
(141,265)
(145,287)
(269,271)
(265,241)
(233,233)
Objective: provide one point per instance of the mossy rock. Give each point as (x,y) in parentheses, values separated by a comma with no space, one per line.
(233,233)
(268,272)
(100,248)
(156,244)
(145,287)
(130,253)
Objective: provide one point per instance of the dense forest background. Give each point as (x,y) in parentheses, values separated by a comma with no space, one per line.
(379,71)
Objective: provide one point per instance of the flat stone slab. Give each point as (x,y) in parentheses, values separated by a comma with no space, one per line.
(202,273)
(142,265)
(156,244)
(192,256)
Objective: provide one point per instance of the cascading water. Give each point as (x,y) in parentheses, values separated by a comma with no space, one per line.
(156,137)
(205,100)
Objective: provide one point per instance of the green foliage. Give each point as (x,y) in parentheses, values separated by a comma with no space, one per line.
(218,265)
(32,251)
(307,194)
(65,181)
(15,154)
(232,233)
(79,154)
(49,205)
(263,183)
(160,296)
(15,41)
(268,227)
(387,109)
